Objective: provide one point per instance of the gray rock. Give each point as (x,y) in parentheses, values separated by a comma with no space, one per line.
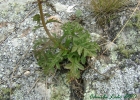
(2,37)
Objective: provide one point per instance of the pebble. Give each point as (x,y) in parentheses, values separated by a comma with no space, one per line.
(27,73)
(2,37)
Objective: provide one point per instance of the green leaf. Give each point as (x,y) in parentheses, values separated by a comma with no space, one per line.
(80,50)
(83,60)
(74,68)
(52,20)
(68,66)
(68,42)
(55,60)
(36,18)
(87,53)
(70,28)
(74,48)
(57,66)
(65,52)
(72,75)
(83,45)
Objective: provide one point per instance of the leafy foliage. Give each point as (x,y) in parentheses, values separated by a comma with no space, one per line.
(70,49)
(105,10)
(78,46)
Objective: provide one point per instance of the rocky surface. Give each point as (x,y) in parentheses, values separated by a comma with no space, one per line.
(20,76)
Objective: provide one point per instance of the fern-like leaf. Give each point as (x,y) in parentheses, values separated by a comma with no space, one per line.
(52,20)
(74,68)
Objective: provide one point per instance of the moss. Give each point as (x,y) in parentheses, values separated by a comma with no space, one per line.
(78,13)
(5,92)
(137,61)
(126,52)
(135,20)
(136,85)
(88,90)
(60,91)
(113,56)
(128,43)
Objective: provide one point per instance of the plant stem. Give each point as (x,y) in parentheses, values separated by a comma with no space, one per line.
(45,27)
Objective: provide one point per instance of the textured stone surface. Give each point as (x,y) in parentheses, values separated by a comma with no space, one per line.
(27,81)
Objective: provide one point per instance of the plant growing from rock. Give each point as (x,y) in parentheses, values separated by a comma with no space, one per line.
(106,10)
(68,51)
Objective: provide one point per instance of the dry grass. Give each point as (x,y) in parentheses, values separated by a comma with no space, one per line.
(106,10)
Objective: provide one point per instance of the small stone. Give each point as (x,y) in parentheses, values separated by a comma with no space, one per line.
(60,7)
(2,69)
(27,73)
(2,37)
(1,75)
(41,88)
(15,42)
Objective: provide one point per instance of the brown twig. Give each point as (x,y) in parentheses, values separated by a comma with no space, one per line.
(45,27)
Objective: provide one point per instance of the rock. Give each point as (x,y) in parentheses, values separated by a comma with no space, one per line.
(95,36)
(111,46)
(27,73)
(60,7)
(2,37)
(66,8)
(41,88)
(121,81)
(15,42)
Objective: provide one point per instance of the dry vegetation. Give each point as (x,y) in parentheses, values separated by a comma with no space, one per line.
(106,10)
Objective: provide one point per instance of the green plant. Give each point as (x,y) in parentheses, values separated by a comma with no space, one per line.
(78,13)
(77,44)
(106,10)
(68,51)
(126,52)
